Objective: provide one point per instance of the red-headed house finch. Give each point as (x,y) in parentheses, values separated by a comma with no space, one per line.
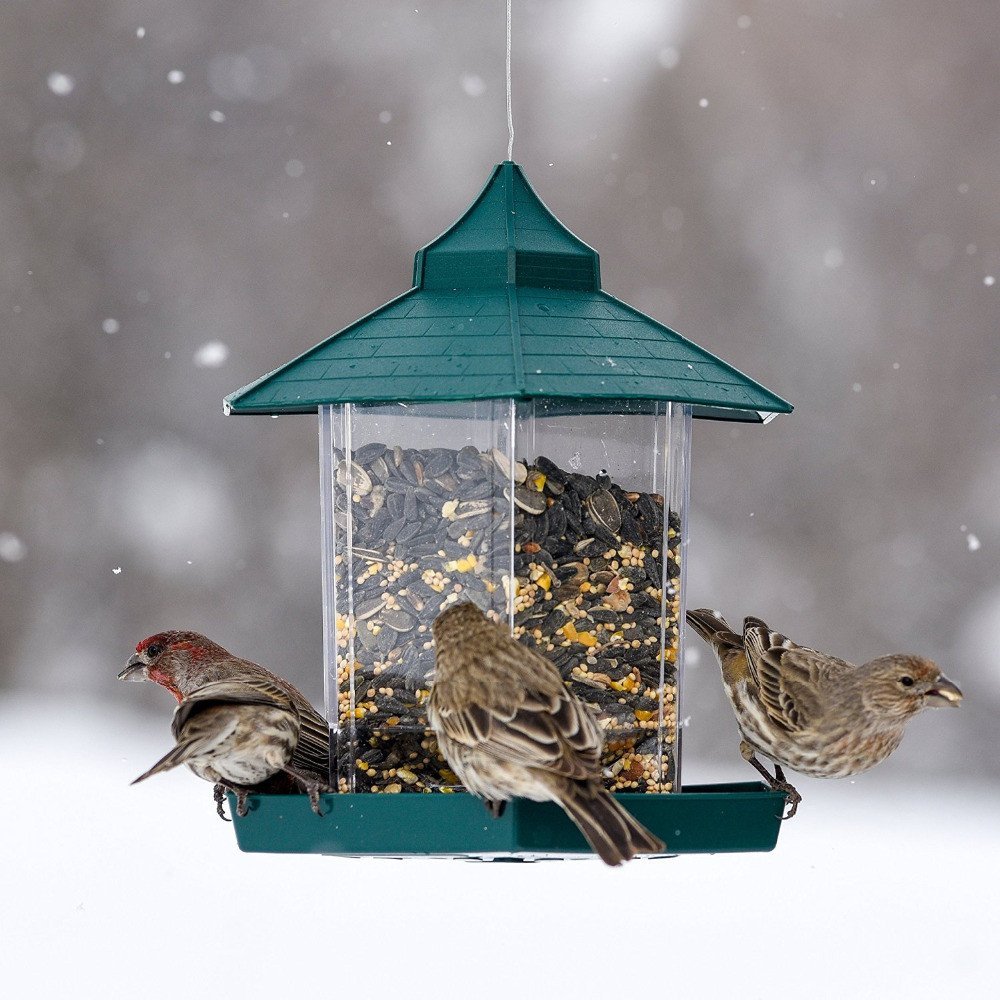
(508,726)
(236,733)
(812,712)
(182,662)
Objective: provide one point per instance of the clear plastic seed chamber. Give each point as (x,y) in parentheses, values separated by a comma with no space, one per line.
(505,432)
(569,526)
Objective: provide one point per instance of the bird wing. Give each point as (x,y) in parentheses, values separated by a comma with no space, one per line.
(532,724)
(312,752)
(244,691)
(787,675)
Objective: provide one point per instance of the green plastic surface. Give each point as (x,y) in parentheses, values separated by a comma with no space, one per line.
(507,303)
(707,819)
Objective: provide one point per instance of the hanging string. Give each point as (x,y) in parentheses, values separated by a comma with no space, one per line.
(510,114)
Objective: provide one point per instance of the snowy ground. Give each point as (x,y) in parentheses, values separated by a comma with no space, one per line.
(873,891)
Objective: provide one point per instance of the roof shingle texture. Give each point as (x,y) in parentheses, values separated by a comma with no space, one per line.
(507,303)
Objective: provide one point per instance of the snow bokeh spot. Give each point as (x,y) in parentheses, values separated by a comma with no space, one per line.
(211,354)
(473,85)
(61,84)
(12,549)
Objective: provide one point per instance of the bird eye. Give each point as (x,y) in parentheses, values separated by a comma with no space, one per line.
(154,651)
(906,681)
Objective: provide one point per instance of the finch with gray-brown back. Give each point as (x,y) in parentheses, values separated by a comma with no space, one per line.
(812,712)
(510,728)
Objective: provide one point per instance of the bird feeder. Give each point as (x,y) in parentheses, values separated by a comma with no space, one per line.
(509,433)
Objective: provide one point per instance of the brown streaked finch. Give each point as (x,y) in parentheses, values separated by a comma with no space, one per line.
(509,727)
(183,661)
(237,733)
(814,713)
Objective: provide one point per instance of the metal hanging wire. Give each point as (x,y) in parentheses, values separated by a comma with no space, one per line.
(510,113)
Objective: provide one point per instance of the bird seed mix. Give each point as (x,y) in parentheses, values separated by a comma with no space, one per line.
(432,527)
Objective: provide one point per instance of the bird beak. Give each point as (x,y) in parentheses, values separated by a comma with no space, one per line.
(135,669)
(944,693)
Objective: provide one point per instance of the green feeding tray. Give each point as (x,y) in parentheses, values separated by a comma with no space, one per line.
(506,305)
(703,819)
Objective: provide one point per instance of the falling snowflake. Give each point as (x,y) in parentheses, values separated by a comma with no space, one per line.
(12,549)
(211,354)
(473,85)
(61,84)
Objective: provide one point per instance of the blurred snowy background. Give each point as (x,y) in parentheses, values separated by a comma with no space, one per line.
(192,193)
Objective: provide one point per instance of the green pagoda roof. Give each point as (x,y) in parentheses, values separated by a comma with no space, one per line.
(508,303)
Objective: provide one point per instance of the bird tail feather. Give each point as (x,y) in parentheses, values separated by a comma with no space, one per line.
(614,833)
(178,755)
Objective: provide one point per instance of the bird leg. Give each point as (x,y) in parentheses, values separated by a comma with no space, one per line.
(241,800)
(777,781)
(313,786)
(219,794)
(495,807)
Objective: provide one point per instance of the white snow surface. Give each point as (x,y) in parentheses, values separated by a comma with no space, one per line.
(877,889)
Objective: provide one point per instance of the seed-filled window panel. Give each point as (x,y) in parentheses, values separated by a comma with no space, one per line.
(423,521)
(598,574)
(554,521)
